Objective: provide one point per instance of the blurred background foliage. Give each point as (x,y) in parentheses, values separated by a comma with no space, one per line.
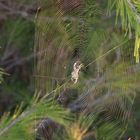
(40,41)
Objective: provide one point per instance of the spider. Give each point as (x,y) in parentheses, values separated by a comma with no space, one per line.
(75,73)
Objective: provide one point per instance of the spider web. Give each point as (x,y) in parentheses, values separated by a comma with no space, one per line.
(65,34)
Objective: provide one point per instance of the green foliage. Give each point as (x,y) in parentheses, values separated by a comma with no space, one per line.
(1,75)
(22,124)
(18,32)
(107,85)
(130,18)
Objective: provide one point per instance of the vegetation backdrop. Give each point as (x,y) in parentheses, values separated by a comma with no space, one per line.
(69,69)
